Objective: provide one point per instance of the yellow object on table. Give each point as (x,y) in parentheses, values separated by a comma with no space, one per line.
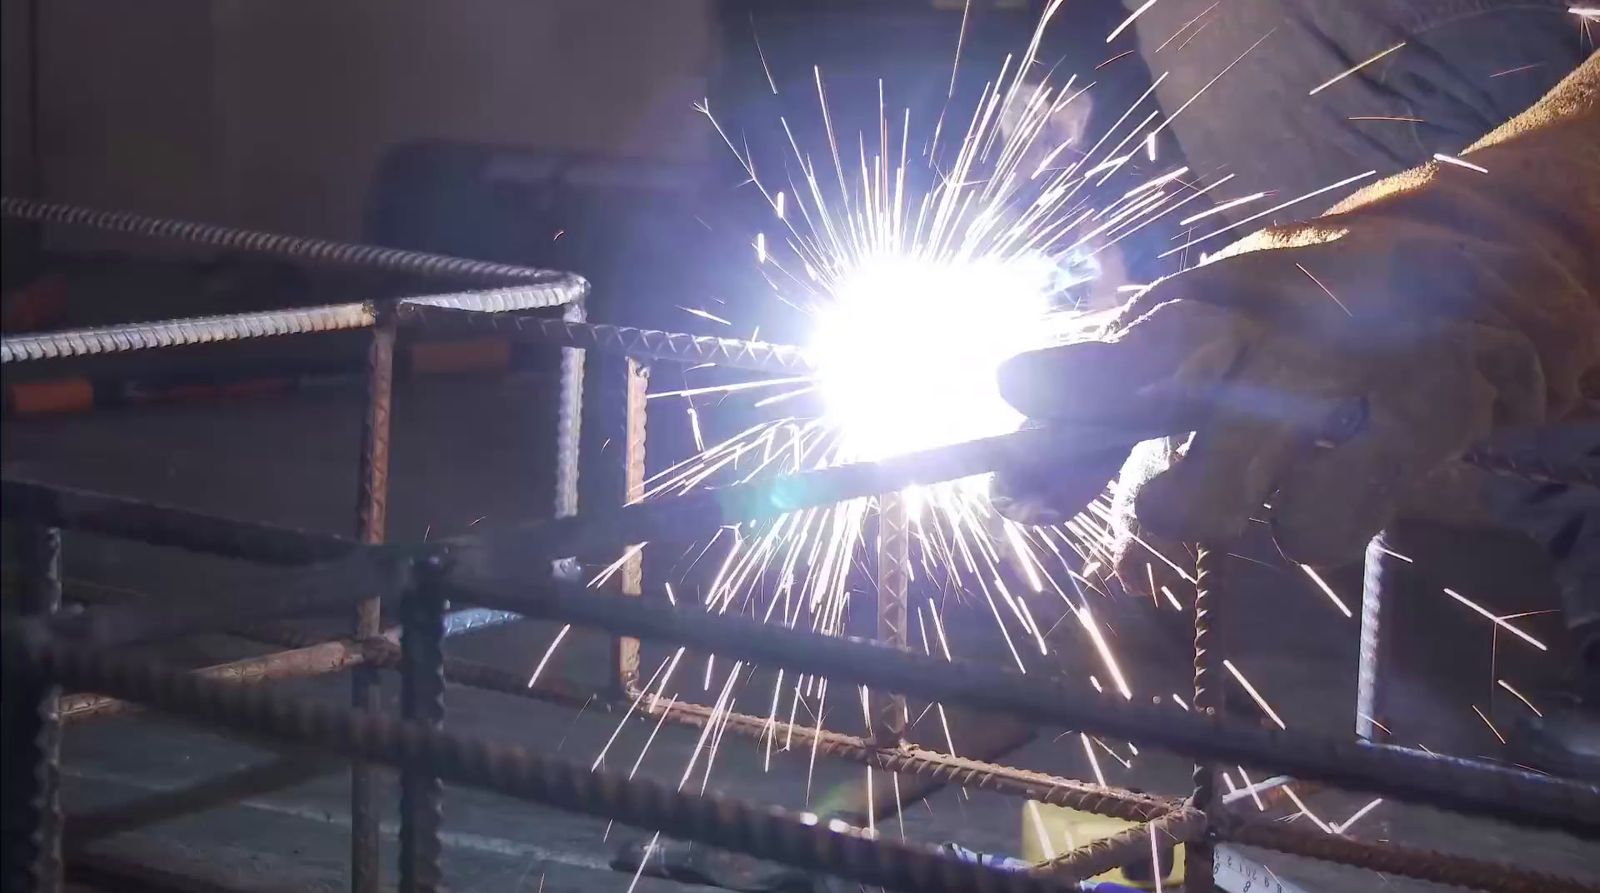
(1050,831)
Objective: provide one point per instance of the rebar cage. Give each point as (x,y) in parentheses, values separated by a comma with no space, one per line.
(48,650)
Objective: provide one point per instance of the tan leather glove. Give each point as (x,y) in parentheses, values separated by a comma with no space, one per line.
(1447,301)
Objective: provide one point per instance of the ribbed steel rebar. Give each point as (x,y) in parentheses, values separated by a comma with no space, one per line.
(1198,868)
(299,248)
(372,512)
(761,831)
(179,332)
(30,811)
(915,761)
(299,663)
(161,525)
(437,312)
(894,579)
(1450,783)
(1099,856)
(422,704)
(1404,861)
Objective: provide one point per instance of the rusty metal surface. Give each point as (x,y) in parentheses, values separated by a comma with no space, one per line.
(161,525)
(1404,861)
(372,512)
(636,382)
(1467,786)
(924,764)
(299,663)
(648,344)
(761,831)
(893,579)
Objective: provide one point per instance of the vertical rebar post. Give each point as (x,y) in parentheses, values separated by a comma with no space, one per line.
(1379,589)
(638,387)
(1198,869)
(31,809)
(421,701)
(569,429)
(372,509)
(894,573)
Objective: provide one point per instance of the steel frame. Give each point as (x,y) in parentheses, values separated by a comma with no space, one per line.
(47,650)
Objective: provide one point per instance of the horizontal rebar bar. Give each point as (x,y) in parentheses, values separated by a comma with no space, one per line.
(162,525)
(299,663)
(436,312)
(911,760)
(371,257)
(1405,861)
(1447,782)
(765,832)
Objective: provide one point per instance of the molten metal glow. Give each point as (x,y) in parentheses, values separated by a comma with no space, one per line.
(908,351)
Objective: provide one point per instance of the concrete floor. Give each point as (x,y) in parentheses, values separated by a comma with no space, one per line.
(462,453)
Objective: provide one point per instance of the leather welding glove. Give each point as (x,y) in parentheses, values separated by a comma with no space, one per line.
(1443,302)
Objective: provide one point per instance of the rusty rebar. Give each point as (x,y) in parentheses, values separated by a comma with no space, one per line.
(915,761)
(636,388)
(1447,782)
(1405,861)
(764,832)
(299,248)
(422,704)
(162,525)
(372,512)
(300,663)
(1182,825)
(645,344)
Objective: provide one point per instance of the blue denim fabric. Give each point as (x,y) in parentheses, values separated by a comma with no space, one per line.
(1466,67)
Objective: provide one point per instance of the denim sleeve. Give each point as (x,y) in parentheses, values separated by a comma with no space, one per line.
(1454,70)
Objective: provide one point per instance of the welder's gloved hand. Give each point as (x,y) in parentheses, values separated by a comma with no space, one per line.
(1345,362)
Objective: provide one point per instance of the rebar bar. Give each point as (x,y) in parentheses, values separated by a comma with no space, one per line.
(209,793)
(1183,825)
(915,761)
(372,510)
(1199,870)
(893,579)
(1446,782)
(336,584)
(1403,861)
(645,344)
(372,257)
(422,704)
(161,525)
(636,386)
(30,813)
(762,831)
(1379,590)
(300,663)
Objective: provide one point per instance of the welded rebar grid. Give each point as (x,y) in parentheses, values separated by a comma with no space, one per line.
(1393,770)
(762,831)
